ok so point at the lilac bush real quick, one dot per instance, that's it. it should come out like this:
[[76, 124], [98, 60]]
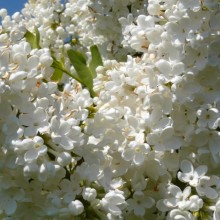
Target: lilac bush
[[110, 110]]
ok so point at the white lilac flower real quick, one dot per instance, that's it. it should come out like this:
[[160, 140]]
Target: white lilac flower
[[139, 203], [112, 202], [89, 172], [70, 188], [89, 194], [118, 165], [135, 152], [171, 161], [17, 80], [210, 138], [64, 159], [34, 122], [49, 170], [195, 203], [76, 207], [138, 181], [46, 60], [208, 117], [176, 199], [35, 149], [207, 187], [161, 98], [30, 169], [62, 131], [179, 214], [154, 7], [164, 140], [30, 149], [191, 175], [21, 48]]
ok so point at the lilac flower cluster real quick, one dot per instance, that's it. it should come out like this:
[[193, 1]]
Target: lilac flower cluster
[[139, 138]]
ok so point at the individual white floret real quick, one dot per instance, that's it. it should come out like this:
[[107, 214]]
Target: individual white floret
[[208, 117], [170, 69], [65, 134], [179, 214], [138, 180], [3, 12], [191, 175], [138, 40], [154, 7], [119, 166], [64, 159], [49, 170], [176, 199], [171, 161], [34, 122], [113, 202], [164, 140], [30, 169], [17, 80], [88, 172], [207, 187], [139, 203], [21, 48], [35, 149], [211, 139], [70, 188], [161, 99], [135, 152]]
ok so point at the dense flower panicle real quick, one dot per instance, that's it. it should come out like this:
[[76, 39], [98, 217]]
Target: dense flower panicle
[[110, 110]]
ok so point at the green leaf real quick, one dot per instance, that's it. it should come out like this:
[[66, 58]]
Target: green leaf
[[95, 61], [78, 60], [59, 68], [29, 38], [57, 75], [37, 37], [78, 56], [58, 65], [33, 40]]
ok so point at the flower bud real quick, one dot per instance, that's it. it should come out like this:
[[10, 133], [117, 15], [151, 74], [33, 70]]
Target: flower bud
[[46, 60], [76, 207]]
